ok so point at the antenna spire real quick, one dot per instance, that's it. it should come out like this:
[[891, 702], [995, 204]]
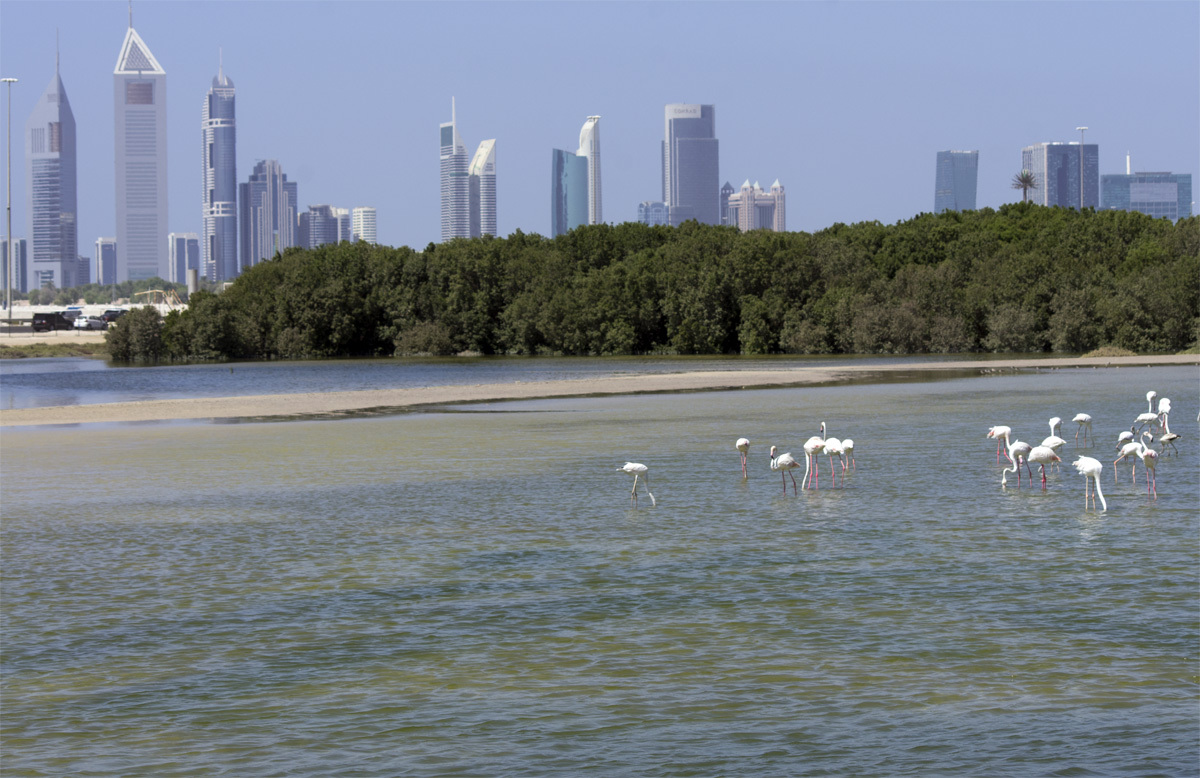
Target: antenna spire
[[56, 51], [452, 117], [131, 14], [220, 66]]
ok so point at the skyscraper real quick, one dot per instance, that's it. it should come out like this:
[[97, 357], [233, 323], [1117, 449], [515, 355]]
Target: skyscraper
[[319, 225], [957, 175], [1056, 169], [218, 130], [589, 149], [568, 191], [183, 255], [690, 164], [751, 208], [455, 186], [653, 212], [20, 264], [50, 184], [140, 108], [362, 225], [106, 261], [482, 190], [267, 207], [1161, 195]]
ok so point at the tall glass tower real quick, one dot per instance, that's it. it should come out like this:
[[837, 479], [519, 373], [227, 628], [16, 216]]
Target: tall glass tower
[[482, 187], [589, 149], [218, 129], [50, 183], [268, 213], [140, 108], [568, 191], [690, 154], [957, 177], [1056, 169], [456, 200]]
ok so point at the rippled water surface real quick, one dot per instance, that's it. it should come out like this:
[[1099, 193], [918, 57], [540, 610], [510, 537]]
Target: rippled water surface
[[472, 593]]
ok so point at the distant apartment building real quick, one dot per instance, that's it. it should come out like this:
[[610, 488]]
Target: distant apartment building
[[106, 261], [727, 191], [568, 191], [218, 134], [50, 183], [690, 164], [653, 212], [1066, 174], [956, 182], [1161, 195], [751, 208], [323, 224], [83, 270], [18, 276], [140, 110], [362, 225], [183, 255], [267, 206]]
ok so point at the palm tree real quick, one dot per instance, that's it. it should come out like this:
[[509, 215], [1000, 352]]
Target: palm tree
[[1024, 181]]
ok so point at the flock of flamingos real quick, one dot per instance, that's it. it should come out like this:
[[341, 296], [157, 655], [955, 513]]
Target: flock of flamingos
[[1134, 443]]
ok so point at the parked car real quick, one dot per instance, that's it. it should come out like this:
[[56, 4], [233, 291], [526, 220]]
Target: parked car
[[90, 323], [112, 314], [54, 320], [73, 313]]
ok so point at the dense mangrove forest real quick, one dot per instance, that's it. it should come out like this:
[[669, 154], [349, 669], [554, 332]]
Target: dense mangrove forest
[[1023, 278]]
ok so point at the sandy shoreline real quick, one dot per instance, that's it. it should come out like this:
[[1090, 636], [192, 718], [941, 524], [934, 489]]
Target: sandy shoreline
[[382, 400]]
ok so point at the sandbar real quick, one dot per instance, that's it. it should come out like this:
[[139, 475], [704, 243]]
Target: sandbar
[[382, 401]]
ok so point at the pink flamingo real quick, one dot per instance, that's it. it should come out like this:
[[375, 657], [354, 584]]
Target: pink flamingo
[[743, 446], [1042, 456], [999, 432], [785, 463], [812, 447]]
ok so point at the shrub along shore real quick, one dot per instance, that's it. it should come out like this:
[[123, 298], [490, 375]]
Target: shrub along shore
[[1024, 278]]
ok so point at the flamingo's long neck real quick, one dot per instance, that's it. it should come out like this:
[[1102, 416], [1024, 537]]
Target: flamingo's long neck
[[1100, 494]]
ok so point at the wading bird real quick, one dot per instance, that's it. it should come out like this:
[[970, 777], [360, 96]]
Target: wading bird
[[637, 470], [834, 446], [743, 445], [1055, 444], [785, 463], [812, 448], [1085, 425], [848, 450], [1130, 449], [1091, 469], [1042, 456], [1168, 439], [1018, 451], [1124, 438], [999, 432], [1149, 461]]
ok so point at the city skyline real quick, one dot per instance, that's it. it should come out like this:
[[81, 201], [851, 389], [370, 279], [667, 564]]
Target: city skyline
[[824, 138]]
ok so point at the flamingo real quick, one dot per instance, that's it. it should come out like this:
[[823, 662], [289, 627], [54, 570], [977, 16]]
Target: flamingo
[[834, 446], [999, 432], [1055, 425], [1055, 444], [1042, 456], [1149, 461], [1164, 410], [812, 447], [848, 450], [1124, 438], [1091, 469], [1150, 416], [1130, 449], [743, 445], [785, 463], [1168, 439], [637, 470], [1018, 450], [1085, 424]]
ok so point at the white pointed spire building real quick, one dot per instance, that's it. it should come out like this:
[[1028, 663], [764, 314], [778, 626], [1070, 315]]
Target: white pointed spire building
[[456, 217], [140, 111], [589, 149], [482, 189], [50, 184]]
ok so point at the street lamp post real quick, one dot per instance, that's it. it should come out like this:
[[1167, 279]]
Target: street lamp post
[[1081, 131], [8, 260]]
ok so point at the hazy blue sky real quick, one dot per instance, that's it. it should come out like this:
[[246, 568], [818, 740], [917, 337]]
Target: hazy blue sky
[[846, 103]]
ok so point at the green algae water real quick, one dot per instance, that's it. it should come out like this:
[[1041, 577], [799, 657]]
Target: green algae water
[[470, 591]]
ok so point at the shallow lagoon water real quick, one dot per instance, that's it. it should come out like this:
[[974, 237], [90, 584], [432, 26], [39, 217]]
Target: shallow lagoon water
[[473, 594]]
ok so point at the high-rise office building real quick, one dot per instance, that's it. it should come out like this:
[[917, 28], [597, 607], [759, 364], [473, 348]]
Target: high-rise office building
[[83, 271], [106, 261], [727, 191], [20, 264], [751, 208], [690, 164], [589, 149], [183, 255], [481, 187], [50, 184], [1161, 195], [267, 213], [568, 191], [140, 108], [345, 227], [653, 212], [362, 226], [957, 177], [1056, 170], [218, 135], [455, 186], [319, 225]]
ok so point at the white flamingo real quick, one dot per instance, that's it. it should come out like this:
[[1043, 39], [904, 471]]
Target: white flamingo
[[1168, 439], [1018, 451], [1055, 425], [1091, 469], [812, 448], [743, 445], [637, 470], [1055, 444], [833, 446], [848, 450], [1085, 425], [1042, 456], [1164, 411], [1124, 438], [1150, 416], [1130, 449], [999, 432], [1149, 461], [785, 464]]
